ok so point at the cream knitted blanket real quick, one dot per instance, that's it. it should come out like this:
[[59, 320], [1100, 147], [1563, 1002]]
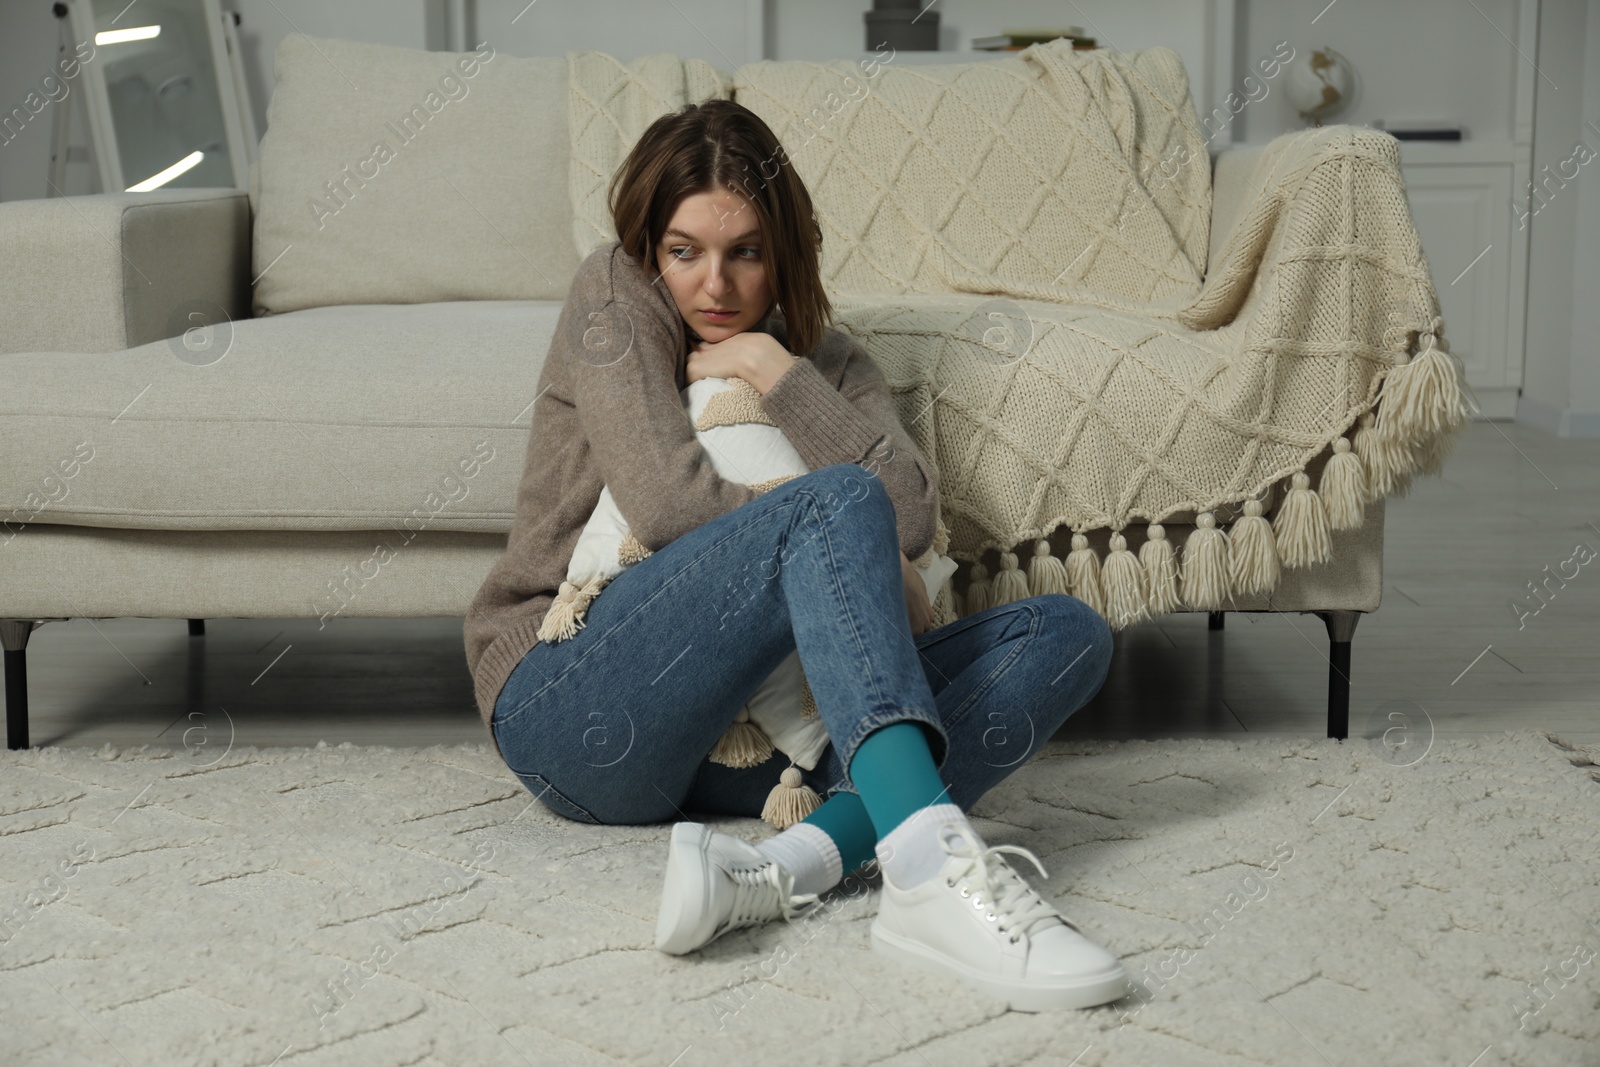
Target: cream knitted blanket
[[1020, 244], [609, 105]]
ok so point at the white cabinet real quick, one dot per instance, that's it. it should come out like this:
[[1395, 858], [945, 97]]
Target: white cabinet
[[1476, 69], [1462, 200]]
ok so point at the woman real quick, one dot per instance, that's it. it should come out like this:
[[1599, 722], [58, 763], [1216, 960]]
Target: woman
[[715, 274]]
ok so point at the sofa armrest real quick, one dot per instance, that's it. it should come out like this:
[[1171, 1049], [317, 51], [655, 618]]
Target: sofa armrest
[[112, 271], [1271, 203], [1230, 189]]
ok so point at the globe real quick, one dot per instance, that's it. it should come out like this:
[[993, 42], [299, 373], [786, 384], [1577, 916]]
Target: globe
[[1318, 85]]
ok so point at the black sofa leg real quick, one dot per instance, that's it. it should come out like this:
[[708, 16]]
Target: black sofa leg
[[14, 637], [1214, 620], [197, 627], [1341, 628]]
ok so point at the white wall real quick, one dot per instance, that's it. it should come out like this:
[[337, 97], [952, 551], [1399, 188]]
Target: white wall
[[1561, 371], [823, 29], [717, 31], [1547, 368], [1583, 412], [1427, 59], [27, 54]]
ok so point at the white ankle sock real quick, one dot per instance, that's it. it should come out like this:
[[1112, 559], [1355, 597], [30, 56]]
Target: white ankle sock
[[807, 852], [910, 853]]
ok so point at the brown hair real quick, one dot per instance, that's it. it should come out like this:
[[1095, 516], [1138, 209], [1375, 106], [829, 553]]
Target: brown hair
[[715, 145]]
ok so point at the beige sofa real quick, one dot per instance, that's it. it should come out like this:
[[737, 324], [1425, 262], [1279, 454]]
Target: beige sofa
[[188, 434]]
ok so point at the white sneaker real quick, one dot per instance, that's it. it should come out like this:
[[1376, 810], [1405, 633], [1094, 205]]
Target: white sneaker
[[978, 921], [716, 883]]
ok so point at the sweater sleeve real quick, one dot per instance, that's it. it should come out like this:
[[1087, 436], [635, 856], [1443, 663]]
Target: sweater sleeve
[[857, 423], [637, 430]]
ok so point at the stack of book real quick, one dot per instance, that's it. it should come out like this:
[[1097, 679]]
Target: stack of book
[[1016, 40]]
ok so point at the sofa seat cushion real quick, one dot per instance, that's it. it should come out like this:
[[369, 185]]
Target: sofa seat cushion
[[361, 417]]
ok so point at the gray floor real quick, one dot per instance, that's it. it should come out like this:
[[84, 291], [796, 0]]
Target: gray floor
[[1445, 653]]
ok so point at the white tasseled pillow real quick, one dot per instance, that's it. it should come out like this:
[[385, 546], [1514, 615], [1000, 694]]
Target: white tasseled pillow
[[744, 447]]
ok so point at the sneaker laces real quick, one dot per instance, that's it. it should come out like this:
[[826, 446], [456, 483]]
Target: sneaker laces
[[763, 893], [1014, 905]]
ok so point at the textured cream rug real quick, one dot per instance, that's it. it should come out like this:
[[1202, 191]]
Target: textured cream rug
[[1280, 901]]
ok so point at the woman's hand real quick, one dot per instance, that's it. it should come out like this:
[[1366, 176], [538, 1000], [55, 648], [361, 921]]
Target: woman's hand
[[918, 611], [758, 358]]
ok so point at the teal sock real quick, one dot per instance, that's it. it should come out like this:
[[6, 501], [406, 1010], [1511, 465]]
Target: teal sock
[[844, 818], [894, 772]]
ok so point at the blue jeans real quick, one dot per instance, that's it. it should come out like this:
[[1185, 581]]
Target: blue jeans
[[614, 724]]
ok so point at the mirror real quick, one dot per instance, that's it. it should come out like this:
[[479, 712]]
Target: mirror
[[163, 94]]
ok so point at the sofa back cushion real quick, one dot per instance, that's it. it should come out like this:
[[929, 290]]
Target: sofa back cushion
[[1031, 175], [397, 176]]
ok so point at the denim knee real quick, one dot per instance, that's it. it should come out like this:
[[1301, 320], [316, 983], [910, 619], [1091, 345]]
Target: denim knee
[[847, 481], [1072, 623]]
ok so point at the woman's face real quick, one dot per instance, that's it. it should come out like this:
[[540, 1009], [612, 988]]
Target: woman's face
[[711, 258]]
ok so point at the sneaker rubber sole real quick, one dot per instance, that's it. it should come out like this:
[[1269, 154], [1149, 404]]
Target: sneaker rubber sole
[[677, 920], [1033, 995]]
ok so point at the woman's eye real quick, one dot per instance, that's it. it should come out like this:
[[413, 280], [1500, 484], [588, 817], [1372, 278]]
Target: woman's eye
[[746, 248]]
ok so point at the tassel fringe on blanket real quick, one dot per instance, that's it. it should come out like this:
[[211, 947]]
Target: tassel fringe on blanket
[[1410, 431]]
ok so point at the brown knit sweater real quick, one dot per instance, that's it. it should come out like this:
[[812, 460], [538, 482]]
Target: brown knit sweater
[[609, 413]]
